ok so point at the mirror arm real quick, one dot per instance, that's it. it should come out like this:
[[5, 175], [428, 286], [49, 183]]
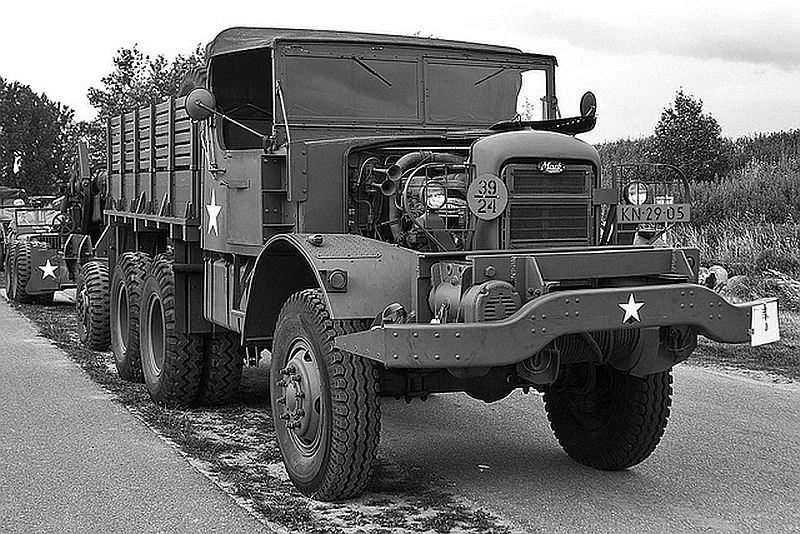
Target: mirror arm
[[266, 140]]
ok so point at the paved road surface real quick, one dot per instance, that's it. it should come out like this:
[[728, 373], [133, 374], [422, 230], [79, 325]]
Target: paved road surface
[[71, 460], [729, 461]]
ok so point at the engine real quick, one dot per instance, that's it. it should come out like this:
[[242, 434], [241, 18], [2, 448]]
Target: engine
[[413, 198]]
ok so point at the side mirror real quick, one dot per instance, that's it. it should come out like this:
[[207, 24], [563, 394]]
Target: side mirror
[[200, 104], [588, 104]]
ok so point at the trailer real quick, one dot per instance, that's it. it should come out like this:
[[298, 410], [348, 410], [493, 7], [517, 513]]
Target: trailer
[[373, 211]]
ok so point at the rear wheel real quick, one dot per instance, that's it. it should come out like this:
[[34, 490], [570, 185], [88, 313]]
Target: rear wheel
[[126, 292], [607, 419], [92, 305], [222, 370], [172, 362], [324, 401]]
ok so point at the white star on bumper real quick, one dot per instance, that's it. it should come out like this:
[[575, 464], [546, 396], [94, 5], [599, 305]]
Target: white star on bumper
[[48, 269], [631, 309], [213, 210]]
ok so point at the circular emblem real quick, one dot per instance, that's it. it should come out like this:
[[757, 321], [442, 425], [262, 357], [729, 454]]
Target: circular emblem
[[487, 197]]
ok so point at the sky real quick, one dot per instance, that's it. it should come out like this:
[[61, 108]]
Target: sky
[[742, 59]]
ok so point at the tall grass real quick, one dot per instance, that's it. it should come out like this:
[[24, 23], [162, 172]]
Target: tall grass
[[744, 247], [756, 192]]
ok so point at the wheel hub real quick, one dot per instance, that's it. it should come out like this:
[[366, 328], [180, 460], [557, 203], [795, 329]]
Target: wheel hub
[[82, 301], [300, 394]]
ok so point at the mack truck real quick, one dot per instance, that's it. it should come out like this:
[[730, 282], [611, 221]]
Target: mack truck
[[374, 213]]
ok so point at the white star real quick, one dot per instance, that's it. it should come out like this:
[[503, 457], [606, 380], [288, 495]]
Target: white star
[[48, 269], [213, 210], [631, 309]]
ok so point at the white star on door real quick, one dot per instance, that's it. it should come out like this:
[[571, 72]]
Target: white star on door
[[631, 309], [213, 210], [48, 269]]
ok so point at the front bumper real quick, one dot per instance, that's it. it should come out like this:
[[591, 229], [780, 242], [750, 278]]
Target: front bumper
[[543, 319]]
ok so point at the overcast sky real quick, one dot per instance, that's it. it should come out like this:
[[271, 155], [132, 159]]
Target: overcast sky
[[741, 58]]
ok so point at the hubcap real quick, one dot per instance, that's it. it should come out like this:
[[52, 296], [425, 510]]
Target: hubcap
[[300, 401], [82, 301], [156, 342], [122, 326]]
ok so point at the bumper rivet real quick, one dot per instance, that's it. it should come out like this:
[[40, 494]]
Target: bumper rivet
[[436, 335], [395, 356], [458, 356], [544, 330], [396, 335], [435, 356], [416, 356], [458, 335], [577, 313], [415, 334]]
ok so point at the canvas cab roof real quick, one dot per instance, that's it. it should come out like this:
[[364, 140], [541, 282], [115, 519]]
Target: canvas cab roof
[[244, 38]]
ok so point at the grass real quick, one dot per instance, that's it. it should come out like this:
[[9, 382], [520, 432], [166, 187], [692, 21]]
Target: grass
[[780, 359]]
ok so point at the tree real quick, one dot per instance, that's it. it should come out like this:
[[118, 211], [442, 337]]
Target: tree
[[137, 80], [690, 139], [35, 135]]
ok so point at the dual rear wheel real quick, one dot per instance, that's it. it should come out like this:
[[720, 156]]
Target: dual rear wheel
[[181, 369]]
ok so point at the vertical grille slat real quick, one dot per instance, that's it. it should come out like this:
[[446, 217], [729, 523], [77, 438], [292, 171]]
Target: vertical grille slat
[[548, 209]]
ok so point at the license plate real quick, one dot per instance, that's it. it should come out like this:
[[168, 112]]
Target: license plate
[[764, 323], [653, 213]]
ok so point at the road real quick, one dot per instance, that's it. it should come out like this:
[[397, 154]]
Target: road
[[729, 461], [72, 460]]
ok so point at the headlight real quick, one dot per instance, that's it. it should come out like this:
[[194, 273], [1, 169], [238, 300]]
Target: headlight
[[434, 195], [636, 193]]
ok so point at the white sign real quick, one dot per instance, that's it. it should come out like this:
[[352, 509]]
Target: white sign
[[764, 323]]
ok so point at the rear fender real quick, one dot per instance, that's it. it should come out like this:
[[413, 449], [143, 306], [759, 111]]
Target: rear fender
[[358, 277]]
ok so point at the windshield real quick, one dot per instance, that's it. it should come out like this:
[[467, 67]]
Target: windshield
[[32, 217], [408, 88]]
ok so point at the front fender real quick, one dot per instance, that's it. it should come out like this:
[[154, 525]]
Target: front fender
[[357, 276]]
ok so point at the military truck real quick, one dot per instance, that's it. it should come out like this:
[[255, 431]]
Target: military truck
[[51, 245], [374, 211]]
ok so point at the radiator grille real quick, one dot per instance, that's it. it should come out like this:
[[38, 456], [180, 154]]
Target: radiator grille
[[52, 241], [548, 208], [538, 221], [529, 180]]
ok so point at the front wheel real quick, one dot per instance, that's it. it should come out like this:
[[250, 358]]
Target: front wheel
[[324, 402], [608, 419]]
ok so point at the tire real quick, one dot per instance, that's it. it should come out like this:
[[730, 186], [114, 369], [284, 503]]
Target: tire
[[92, 303], [172, 362], [127, 282], [222, 370], [8, 276], [324, 402], [613, 423], [22, 272]]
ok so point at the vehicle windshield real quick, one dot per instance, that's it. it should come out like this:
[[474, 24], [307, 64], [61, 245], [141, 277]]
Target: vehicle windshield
[[408, 89], [34, 217]]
